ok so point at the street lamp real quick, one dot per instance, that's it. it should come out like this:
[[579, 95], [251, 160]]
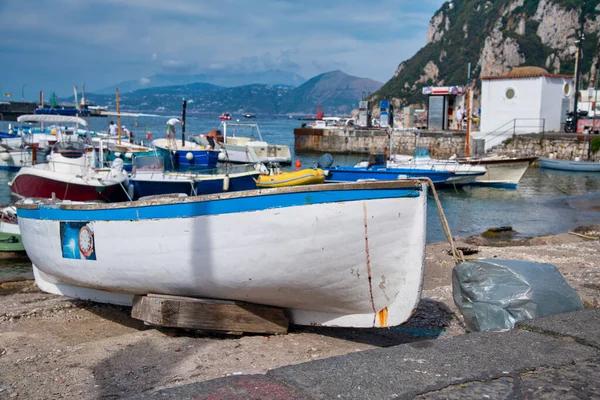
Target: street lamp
[[23, 92]]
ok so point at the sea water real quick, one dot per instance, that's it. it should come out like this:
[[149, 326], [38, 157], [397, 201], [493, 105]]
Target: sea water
[[545, 201]]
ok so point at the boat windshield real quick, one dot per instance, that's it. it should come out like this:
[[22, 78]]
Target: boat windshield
[[147, 163]]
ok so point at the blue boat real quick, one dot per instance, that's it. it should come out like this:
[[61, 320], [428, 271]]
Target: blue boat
[[568, 165], [376, 169], [182, 157], [149, 178]]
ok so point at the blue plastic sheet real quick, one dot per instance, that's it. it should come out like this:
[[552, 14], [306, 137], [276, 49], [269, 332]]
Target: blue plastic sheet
[[494, 294]]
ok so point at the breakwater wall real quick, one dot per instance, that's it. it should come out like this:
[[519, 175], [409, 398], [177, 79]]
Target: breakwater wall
[[562, 147], [368, 141], [441, 144]]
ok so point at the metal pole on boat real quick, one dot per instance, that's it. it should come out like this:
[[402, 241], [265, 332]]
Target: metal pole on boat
[[183, 125], [118, 117], [468, 114]]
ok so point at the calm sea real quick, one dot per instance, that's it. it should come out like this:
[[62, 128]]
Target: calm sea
[[545, 201]]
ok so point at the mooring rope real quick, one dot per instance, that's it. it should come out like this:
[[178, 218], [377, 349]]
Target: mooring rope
[[456, 254]]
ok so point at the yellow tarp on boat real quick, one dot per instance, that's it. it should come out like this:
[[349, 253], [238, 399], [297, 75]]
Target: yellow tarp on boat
[[297, 178]]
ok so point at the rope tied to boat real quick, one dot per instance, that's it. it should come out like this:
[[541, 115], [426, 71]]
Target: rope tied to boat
[[456, 254]]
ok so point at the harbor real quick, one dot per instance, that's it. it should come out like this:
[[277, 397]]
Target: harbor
[[197, 215]]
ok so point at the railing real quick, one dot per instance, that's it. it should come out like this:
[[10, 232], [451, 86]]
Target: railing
[[513, 125]]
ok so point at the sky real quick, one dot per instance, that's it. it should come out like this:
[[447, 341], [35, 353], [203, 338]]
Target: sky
[[54, 45]]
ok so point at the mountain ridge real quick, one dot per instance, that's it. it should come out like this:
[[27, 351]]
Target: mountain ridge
[[336, 91]]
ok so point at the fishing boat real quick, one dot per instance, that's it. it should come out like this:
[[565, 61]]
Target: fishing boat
[[225, 117], [180, 154], [149, 178], [276, 178], [247, 149], [569, 165], [71, 173], [376, 168], [502, 171], [249, 116], [348, 255], [11, 244]]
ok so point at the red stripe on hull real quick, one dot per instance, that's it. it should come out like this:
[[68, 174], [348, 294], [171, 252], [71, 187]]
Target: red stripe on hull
[[36, 186]]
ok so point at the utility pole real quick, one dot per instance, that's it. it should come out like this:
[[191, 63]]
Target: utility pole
[[578, 68]]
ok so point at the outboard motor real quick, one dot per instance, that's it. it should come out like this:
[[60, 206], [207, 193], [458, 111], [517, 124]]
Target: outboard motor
[[325, 161]]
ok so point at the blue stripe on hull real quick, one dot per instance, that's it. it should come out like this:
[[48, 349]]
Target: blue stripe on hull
[[214, 207], [351, 174]]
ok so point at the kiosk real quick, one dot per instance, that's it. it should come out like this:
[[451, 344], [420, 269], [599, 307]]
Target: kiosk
[[441, 104]]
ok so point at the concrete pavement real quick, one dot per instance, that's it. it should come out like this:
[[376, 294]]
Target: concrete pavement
[[554, 357]]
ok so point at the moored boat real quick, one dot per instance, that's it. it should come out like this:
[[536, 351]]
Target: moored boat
[[502, 171], [71, 173], [569, 165], [336, 255], [149, 178], [225, 117], [11, 244], [376, 169], [292, 178], [249, 148]]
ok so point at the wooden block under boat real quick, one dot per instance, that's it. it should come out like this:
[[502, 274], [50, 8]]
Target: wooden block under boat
[[208, 314]]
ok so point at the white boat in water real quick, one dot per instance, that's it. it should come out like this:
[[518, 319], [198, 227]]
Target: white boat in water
[[250, 149], [348, 254]]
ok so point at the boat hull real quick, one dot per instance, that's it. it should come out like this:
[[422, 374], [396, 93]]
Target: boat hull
[[297, 178], [503, 173], [354, 174], [10, 243], [159, 183], [27, 184], [567, 165], [353, 254], [190, 156]]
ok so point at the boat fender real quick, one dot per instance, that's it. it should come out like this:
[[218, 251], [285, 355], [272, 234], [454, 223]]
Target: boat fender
[[117, 154], [4, 156], [189, 156], [226, 183], [130, 190], [128, 155], [222, 156]]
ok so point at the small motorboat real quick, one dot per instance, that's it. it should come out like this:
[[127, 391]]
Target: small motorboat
[[11, 244], [225, 117], [149, 178], [276, 178], [71, 173], [249, 116]]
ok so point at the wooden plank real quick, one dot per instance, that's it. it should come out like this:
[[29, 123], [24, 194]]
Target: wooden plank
[[208, 314]]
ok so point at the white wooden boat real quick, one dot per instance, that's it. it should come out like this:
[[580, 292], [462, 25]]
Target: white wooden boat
[[568, 165], [502, 171], [347, 254]]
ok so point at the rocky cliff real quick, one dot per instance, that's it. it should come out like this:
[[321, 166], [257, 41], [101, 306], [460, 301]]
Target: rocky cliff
[[496, 36]]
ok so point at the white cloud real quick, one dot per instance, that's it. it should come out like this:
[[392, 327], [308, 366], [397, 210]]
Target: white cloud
[[144, 81], [154, 55]]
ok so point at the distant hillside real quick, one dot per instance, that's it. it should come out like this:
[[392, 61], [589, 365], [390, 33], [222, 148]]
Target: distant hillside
[[337, 92], [496, 36], [271, 77]]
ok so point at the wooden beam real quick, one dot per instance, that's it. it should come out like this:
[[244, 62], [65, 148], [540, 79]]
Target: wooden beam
[[208, 314]]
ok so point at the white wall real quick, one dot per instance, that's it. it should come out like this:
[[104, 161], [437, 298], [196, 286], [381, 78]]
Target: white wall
[[498, 111], [553, 92]]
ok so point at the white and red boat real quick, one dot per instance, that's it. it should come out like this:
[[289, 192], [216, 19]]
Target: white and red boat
[[72, 174], [225, 117]]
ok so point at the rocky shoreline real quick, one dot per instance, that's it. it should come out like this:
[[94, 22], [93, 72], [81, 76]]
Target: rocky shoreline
[[54, 347]]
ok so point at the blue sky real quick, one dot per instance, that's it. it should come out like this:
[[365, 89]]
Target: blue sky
[[56, 44]]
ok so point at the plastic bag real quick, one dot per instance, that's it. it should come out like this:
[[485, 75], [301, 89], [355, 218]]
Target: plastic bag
[[495, 294]]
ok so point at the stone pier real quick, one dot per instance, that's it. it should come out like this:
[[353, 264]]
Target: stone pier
[[441, 144]]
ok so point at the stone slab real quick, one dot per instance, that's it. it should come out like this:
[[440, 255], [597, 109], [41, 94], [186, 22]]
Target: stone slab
[[246, 387], [581, 326], [413, 369]]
